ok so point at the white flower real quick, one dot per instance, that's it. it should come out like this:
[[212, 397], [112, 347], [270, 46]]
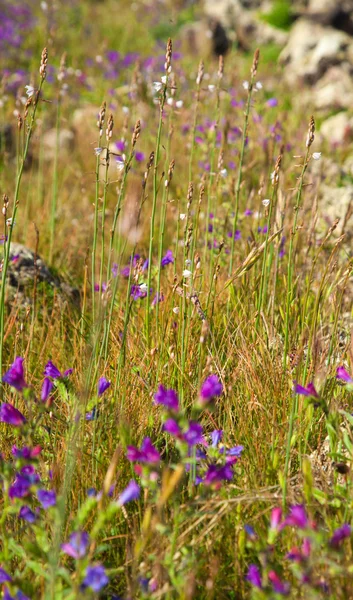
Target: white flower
[[258, 85], [164, 79], [187, 273], [126, 110], [98, 151], [245, 85], [120, 163], [188, 262], [9, 222], [170, 101], [223, 173], [157, 86], [179, 103], [29, 90], [143, 287], [316, 155], [266, 202], [44, 6], [176, 310], [182, 216], [99, 59], [211, 87]]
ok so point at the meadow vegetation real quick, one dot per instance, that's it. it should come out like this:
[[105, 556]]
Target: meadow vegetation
[[185, 430]]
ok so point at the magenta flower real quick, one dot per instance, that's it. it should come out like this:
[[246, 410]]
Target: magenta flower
[[27, 514], [9, 414], [339, 535], [210, 388], [77, 546], [147, 454], [280, 587], [276, 518], [254, 576], [131, 492], [4, 576], [15, 375], [26, 452], [46, 389], [95, 578], [168, 398], [172, 427], [103, 385], [218, 473], [52, 371], [343, 375], [47, 498], [297, 517], [309, 390], [167, 259], [194, 435]]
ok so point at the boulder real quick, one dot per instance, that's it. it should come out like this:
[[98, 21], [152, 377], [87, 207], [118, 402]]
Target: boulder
[[337, 129], [335, 89]]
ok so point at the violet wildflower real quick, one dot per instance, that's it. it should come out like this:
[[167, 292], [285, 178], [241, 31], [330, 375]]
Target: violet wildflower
[[343, 375], [210, 388], [309, 390], [254, 576], [26, 452], [19, 595], [92, 414], [52, 371], [339, 535], [194, 435], [147, 454], [115, 269], [131, 492], [15, 375], [297, 517], [46, 389], [216, 437], [139, 156], [95, 578], [157, 298], [20, 487], [234, 452], [218, 473], [172, 427], [248, 212], [168, 398], [272, 102], [10, 415], [47, 498], [27, 514], [279, 587], [77, 546], [4, 576], [103, 385], [276, 518], [167, 259], [138, 291]]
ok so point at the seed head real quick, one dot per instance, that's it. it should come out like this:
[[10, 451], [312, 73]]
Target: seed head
[[109, 130], [168, 57], [101, 119], [220, 67], [136, 133], [311, 130], [43, 64], [255, 63], [200, 73]]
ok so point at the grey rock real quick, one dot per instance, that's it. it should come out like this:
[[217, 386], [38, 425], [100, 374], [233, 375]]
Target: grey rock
[[25, 269], [65, 143], [337, 129]]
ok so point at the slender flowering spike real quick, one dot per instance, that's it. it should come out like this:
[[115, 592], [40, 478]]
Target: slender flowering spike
[[9, 414], [15, 375], [254, 576], [194, 435], [339, 535], [168, 398], [167, 259], [103, 385], [276, 518], [305, 391], [46, 389], [4, 576], [77, 546], [27, 514], [343, 375], [216, 437], [311, 131], [131, 492], [47, 498], [210, 388], [95, 578]]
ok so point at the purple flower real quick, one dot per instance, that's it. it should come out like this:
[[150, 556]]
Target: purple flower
[[236, 451], [272, 102], [339, 535], [216, 437], [15, 375], [276, 518], [139, 156], [279, 586], [19, 595], [26, 452], [46, 389], [147, 454], [172, 427], [210, 388], [27, 514], [103, 385], [168, 398], [157, 298], [4, 576], [138, 291], [193, 435], [254, 576], [9, 414], [115, 270], [343, 375], [309, 390], [47, 498], [20, 487], [218, 473], [92, 414], [96, 578], [297, 517], [52, 371], [167, 259], [131, 492], [77, 546]]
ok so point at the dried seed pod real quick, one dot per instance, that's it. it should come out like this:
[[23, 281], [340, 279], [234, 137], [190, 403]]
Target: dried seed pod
[[255, 63], [310, 137], [43, 64]]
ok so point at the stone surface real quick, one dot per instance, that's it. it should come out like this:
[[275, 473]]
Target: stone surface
[[335, 89], [24, 268], [337, 129], [65, 143]]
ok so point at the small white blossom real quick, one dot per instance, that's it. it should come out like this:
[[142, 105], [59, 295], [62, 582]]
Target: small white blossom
[[44, 6], [245, 85], [98, 151], [176, 310], [188, 262], [170, 101], [29, 90], [164, 79], [182, 216], [120, 163], [143, 287], [258, 85], [99, 59], [126, 110], [9, 222], [266, 202], [157, 86], [187, 273], [179, 103], [316, 155], [211, 87], [223, 173]]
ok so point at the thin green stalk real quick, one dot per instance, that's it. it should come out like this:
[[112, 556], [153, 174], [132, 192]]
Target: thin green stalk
[[54, 196]]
